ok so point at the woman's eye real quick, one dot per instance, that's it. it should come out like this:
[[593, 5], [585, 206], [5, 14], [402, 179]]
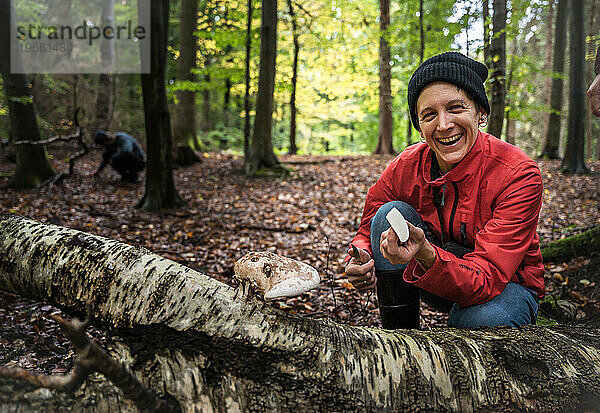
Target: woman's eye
[[455, 107], [427, 116]]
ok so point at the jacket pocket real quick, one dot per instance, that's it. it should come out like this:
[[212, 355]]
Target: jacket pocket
[[468, 228]]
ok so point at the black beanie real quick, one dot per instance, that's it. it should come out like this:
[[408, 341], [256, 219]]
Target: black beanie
[[451, 67], [100, 137]]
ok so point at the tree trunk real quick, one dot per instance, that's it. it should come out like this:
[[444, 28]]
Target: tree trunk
[[590, 75], [207, 123], [228, 84], [594, 28], [261, 153], [421, 33], [33, 166], [184, 113], [510, 123], [385, 138], [421, 58], [98, 395], [215, 348], [227, 100], [498, 63], [160, 188], [548, 62], [293, 148], [486, 36], [552, 135], [105, 80], [574, 162], [247, 82]]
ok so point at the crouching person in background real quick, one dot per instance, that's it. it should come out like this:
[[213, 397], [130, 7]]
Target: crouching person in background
[[123, 153]]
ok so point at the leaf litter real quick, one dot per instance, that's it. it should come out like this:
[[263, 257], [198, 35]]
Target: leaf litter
[[310, 216]]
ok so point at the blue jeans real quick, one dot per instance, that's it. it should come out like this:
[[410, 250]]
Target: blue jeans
[[515, 306]]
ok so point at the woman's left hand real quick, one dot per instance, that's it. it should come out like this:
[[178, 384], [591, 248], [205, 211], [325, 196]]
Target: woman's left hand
[[415, 247]]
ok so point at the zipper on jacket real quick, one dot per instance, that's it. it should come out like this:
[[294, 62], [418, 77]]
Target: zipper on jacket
[[443, 195], [439, 203], [453, 212]]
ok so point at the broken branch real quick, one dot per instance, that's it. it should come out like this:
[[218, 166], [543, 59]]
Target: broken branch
[[91, 358]]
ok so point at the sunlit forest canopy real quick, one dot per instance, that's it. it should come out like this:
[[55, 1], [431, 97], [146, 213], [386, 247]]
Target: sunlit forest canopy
[[337, 93]]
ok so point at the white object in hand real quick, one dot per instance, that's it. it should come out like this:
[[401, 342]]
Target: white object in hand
[[398, 223]]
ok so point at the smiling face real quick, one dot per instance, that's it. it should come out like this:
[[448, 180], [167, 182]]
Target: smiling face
[[448, 121]]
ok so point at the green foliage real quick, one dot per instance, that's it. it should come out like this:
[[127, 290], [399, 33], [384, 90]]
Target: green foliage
[[337, 95], [223, 138], [545, 322], [22, 100], [337, 89]]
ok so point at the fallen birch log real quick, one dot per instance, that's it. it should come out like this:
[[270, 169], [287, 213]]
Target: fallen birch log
[[209, 347]]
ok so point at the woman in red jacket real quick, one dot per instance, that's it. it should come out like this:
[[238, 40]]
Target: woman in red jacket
[[472, 203]]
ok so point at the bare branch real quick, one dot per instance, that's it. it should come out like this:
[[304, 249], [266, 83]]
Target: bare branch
[[67, 383], [303, 9], [52, 139], [92, 358], [76, 135]]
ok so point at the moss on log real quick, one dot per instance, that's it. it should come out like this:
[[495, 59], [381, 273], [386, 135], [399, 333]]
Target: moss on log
[[575, 246]]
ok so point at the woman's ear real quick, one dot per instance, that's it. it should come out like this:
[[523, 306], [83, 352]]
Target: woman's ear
[[483, 121]]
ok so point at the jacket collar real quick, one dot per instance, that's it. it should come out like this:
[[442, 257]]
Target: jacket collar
[[466, 169]]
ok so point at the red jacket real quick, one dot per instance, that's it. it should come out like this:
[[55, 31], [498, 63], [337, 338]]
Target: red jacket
[[492, 201]]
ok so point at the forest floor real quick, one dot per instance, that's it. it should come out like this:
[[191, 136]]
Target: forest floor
[[310, 215]]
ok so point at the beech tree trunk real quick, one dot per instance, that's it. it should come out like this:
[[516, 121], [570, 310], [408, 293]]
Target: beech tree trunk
[[421, 33], [160, 188], [212, 347], [247, 83], [261, 154], [384, 139], [293, 148], [105, 80], [574, 162], [548, 63], [184, 113], [33, 166], [485, 15], [589, 77], [498, 63], [552, 135], [510, 123]]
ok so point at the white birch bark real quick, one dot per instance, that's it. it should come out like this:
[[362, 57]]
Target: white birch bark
[[203, 343]]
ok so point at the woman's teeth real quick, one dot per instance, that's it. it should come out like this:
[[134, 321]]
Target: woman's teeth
[[450, 140]]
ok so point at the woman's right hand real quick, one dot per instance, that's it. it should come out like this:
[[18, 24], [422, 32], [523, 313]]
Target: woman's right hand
[[361, 272]]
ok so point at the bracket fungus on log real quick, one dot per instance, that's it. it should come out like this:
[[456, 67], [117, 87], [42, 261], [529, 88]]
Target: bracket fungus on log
[[274, 275]]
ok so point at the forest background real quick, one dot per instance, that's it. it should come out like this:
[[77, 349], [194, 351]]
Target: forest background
[[337, 92], [341, 75]]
